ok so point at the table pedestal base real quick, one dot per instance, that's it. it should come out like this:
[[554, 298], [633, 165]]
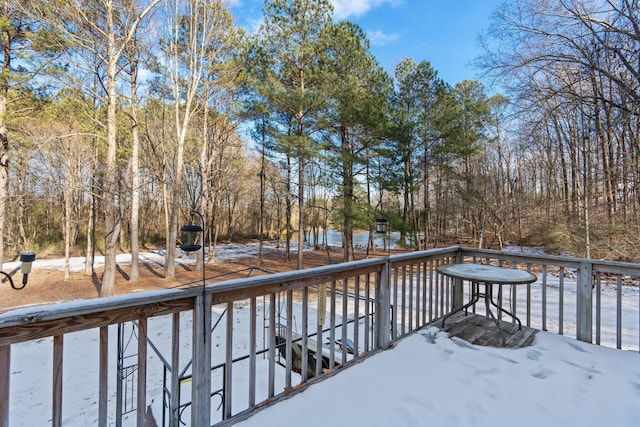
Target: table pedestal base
[[488, 301]]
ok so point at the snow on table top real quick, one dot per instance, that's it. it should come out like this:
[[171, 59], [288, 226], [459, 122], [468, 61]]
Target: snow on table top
[[486, 273]]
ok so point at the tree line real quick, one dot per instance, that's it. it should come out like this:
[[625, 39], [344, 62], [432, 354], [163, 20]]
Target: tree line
[[572, 70], [119, 118]]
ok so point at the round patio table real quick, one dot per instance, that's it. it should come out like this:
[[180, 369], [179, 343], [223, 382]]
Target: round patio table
[[487, 275]]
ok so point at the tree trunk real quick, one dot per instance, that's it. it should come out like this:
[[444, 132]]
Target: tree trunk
[[112, 208], [288, 212], [134, 273], [4, 135], [91, 229], [93, 194], [68, 191], [262, 183], [176, 194], [4, 163], [300, 264], [204, 179], [347, 194], [111, 204]]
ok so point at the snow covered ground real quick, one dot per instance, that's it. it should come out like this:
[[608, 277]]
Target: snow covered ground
[[224, 252]]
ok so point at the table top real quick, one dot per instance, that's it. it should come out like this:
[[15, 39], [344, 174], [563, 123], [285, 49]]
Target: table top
[[487, 273]]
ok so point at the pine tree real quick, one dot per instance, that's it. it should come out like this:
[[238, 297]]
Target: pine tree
[[294, 43]]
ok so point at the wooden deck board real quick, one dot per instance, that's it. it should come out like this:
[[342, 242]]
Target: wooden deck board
[[482, 330]]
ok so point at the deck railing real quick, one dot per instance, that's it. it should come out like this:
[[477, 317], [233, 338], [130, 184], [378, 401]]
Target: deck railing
[[214, 354]]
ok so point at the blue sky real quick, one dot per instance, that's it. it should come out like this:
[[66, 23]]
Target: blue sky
[[443, 32]]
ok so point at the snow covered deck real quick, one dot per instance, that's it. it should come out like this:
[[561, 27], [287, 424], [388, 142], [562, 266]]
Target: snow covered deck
[[432, 378]]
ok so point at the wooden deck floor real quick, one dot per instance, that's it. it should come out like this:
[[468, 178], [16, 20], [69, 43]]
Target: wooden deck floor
[[482, 330]]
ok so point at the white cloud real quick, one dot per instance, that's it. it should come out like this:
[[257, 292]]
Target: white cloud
[[380, 38], [345, 8]]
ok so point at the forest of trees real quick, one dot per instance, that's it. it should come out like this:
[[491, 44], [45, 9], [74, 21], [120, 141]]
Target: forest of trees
[[120, 117]]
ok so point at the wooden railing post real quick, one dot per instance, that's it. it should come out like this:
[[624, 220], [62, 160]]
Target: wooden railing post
[[457, 292], [141, 401], [383, 307], [201, 383], [584, 315], [56, 410]]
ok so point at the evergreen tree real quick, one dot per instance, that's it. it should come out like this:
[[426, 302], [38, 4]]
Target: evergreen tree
[[26, 50], [415, 103], [354, 118], [294, 43]]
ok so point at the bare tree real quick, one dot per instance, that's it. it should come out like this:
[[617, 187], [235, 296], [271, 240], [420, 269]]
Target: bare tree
[[193, 29], [104, 29], [132, 53], [572, 69]]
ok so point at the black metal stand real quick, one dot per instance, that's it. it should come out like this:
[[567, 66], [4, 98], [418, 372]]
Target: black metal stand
[[13, 285]]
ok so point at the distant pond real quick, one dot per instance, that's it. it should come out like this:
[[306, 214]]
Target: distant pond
[[360, 238]]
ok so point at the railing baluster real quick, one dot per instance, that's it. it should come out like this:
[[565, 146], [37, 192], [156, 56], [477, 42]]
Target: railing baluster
[[58, 347], [529, 299], [345, 318], [422, 284], [431, 286], [561, 303], [403, 318], [228, 364], [598, 306], [439, 301], [418, 285], [410, 285], [514, 300], [332, 327], [436, 290], [367, 313], [103, 389], [141, 400], [5, 376], [272, 345], [420, 298], [544, 298], [305, 332], [289, 338], [618, 311], [322, 306], [252, 350], [500, 298], [446, 292], [394, 303], [356, 317], [174, 401]]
